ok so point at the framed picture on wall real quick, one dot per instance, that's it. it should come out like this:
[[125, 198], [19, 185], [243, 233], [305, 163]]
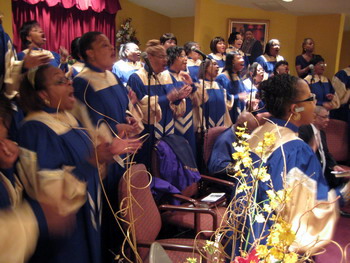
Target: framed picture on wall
[[258, 28]]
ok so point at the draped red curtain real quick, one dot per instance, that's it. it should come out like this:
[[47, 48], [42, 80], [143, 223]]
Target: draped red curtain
[[62, 25]]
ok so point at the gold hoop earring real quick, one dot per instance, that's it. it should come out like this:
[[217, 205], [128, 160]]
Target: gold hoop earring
[[296, 116]]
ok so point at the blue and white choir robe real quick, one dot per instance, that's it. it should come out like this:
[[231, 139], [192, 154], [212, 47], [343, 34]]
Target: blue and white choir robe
[[10, 80], [217, 105], [193, 68], [233, 89], [124, 69], [185, 119], [321, 86], [312, 209], [55, 59], [54, 168], [268, 62], [102, 104], [19, 228], [220, 59], [221, 154], [161, 111]]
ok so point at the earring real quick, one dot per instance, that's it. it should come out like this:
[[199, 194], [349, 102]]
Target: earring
[[296, 116], [47, 102]]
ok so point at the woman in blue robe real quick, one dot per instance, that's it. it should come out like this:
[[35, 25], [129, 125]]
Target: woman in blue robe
[[58, 162], [164, 99], [129, 62], [233, 84], [184, 120], [218, 49], [104, 108], [217, 103], [292, 165], [271, 56], [33, 39], [193, 60], [321, 85]]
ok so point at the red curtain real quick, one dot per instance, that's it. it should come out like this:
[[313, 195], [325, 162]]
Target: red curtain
[[110, 6], [61, 25]]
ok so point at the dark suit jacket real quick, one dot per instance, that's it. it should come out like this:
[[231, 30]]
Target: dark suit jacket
[[306, 133]]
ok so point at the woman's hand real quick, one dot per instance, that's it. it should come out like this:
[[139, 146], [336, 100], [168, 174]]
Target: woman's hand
[[121, 146], [8, 153], [132, 97], [242, 96], [330, 96], [63, 54], [185, 77], [124, 129], [327, 105]]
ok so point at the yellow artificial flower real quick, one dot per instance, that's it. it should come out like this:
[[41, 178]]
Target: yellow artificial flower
[[191, 260], [262, 251], [209, 247], [290, 258], [276, 253], [269, 139]]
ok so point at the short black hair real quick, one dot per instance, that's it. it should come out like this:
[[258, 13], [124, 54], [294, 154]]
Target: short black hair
[[278, 92], [167, 36], [269, 45], [74, 47], [85, 43], [214, 42], [316, 59], [24, 31], [233, 37], [279, 63], [173, 53]]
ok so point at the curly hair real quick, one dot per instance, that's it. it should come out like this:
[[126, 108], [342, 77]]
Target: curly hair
[[173, 53], [278, 92], [167, 36]]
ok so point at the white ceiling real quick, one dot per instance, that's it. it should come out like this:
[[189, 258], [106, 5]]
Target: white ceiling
[[185, 8]]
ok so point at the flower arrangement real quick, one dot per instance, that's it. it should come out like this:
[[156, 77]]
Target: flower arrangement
[[126, 33], [238, 240]]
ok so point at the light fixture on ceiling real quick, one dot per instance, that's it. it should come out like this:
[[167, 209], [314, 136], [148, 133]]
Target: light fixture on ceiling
[[287, 0]]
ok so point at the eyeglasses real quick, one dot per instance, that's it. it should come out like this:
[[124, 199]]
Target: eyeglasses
[[323, 117], [323, 64], [62, 81], [311, 98]]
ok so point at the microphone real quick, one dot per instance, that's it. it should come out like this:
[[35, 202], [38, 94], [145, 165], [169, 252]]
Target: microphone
[[312, 71], [144, 56], [199, 52], [312, 67]]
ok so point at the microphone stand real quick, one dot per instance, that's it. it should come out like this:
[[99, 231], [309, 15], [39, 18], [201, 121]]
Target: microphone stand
[[150, 74]]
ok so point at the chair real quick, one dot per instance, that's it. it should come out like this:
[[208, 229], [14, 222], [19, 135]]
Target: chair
[[191, 196], [144, 217], [337, 133]]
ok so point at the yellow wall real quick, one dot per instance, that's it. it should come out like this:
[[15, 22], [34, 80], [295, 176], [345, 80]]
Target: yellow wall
[[327, 32], [6, 9], [183, 29], [148, 24], [345, 51], [212, 20]]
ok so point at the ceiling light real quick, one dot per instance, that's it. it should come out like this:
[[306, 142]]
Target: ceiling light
[[287, 0]]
